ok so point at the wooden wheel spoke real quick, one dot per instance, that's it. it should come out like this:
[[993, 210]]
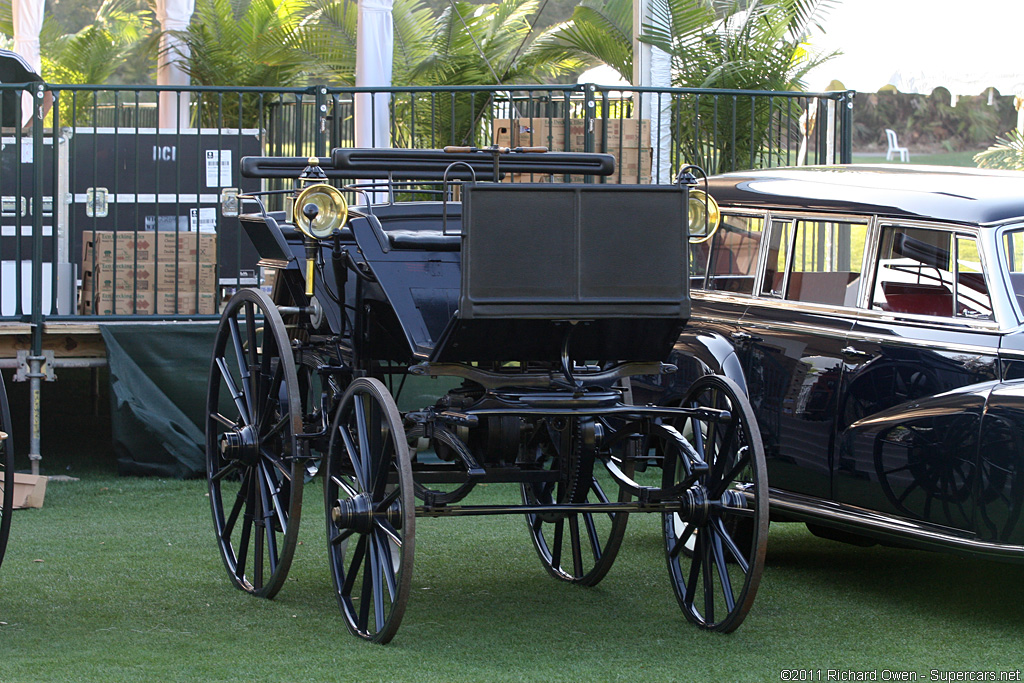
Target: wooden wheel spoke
[[576, 546], [387, 568], [240, 500], [718, 485], [344, 486], [341, 536], [707, 579], [680, 543], [228, 468], [723, 570], [243, 368], [595, 541], [386, 502], [270, 398], [353, 566], [730, 545], [272, 499], [238, 397], [247, 531], [390, 532], [365, 454], [695, 567], [556, 546], [354, 456], [223, 421]]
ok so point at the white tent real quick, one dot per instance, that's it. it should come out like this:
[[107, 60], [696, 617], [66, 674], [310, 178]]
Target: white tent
[[374, 44], [28, 21], [173, 15], [653, 68]]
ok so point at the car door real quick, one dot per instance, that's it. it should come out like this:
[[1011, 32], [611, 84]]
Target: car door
[[906, 446], [790, 343]]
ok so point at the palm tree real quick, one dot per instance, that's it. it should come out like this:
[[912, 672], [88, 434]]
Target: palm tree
[[473, 45], [254, 43], [720, 44], [1007, 153]]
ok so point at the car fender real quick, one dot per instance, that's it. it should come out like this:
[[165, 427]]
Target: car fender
[[700, 353]]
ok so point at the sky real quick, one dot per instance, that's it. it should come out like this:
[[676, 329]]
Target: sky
[[965, 45]]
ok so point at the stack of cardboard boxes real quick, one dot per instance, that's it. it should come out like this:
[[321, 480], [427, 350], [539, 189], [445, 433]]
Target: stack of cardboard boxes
[[628, 140], [147, 273]]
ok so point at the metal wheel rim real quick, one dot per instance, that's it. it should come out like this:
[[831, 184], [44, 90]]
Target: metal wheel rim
[[718, 554], [373, 602], [271, 487]]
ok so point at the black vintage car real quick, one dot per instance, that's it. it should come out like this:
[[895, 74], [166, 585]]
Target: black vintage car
[[873, 314]]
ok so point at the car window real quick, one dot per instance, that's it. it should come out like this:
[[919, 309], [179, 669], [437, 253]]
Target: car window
[[1013, 262], [930, 272], [815, 261], [730, 257]]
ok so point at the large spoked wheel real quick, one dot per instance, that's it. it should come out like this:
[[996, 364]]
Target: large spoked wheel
[[253, 465], [716, 546], [6, 471], [369, 500], [578, 547]]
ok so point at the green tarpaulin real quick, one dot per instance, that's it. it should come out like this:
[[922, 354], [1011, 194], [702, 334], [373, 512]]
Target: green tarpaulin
[[158, 377]]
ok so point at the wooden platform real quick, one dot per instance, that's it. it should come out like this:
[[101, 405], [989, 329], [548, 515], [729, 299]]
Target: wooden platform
[[64, 339]]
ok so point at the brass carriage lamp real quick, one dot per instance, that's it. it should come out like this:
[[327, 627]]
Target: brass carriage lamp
[[704, 216], [319, 210]]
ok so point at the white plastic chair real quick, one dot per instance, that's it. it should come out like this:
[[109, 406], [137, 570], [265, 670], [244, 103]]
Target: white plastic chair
[[894, 147]]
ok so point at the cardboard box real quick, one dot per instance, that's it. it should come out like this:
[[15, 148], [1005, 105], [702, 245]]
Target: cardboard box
[[184, 246], [613, 134], [124, 245], [184, 303], [29, 490], [186, 275], [609, 135], [117, 303], [120, 276]]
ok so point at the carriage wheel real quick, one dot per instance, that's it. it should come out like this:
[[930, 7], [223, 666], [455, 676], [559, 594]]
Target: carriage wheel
[[253, 466], [371, 523], [716, 550], [6, 471], [576, 547]]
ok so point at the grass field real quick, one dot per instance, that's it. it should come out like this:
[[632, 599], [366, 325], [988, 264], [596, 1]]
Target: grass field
[[118, 579], [938, 159]]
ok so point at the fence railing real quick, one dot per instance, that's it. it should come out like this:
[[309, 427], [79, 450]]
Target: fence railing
[[107, 212]]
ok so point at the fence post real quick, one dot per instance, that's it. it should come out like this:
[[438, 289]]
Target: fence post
[[35, 359], [846, 117]]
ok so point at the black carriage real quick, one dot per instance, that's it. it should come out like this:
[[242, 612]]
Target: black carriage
[[535, 304]]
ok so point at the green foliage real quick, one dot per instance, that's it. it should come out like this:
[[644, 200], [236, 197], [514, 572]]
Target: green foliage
[[1007, 153], [472, 45], [735, 45], [929, 120], [600, 31]]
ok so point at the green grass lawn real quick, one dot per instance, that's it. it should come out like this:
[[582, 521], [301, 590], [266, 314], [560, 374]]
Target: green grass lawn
[[940, 159], [118, 579]]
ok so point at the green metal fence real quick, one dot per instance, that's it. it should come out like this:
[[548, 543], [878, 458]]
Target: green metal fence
[[96, 193]]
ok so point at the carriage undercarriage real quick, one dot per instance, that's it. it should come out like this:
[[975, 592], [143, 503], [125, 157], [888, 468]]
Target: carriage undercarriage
[[537, 394]]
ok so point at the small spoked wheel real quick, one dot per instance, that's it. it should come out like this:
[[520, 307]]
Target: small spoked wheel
[[370, 508], [715, 545], [6, 471], [254, 470], [578, 547]]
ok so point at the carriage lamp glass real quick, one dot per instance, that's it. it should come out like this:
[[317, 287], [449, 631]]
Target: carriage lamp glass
[[704, 216], [331, 210]]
